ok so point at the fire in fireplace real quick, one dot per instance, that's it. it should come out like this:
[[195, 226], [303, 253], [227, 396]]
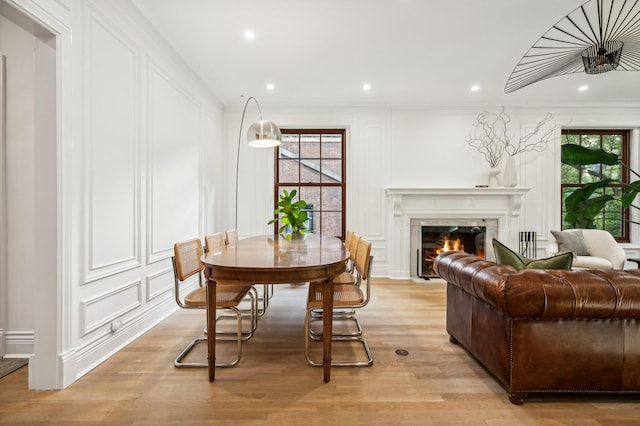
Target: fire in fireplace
[[438, 239]]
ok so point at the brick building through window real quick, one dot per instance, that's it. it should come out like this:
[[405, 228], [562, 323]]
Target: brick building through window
[[312, 161]]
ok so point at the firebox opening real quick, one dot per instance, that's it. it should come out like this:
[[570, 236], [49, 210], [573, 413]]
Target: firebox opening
[[437, 239]]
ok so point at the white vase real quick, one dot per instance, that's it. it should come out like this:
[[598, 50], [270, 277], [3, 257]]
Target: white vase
[[494, 177], [510, 176]]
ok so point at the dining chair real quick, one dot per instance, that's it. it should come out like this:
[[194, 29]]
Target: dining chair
[[346, 277], [231, 237], [353, 249], [350, 295], [215, 243], [267, 289], [347, 238], [186, 264]]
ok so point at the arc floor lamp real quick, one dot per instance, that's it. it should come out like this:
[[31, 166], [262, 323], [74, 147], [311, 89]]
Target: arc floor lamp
[[261, 134]]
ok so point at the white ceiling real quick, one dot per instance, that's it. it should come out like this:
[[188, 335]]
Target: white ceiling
[[412, 52]]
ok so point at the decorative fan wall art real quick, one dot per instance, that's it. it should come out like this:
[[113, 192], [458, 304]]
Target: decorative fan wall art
[[597, 37]]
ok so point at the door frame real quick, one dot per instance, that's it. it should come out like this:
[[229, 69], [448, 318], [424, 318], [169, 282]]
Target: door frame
[[3, 207]]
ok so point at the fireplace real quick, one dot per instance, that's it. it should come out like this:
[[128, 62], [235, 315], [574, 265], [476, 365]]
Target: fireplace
[[437, 239], [432, 236], [496, 209]]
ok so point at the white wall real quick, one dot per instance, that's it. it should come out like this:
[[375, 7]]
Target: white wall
[[418, 147], [368, 168], [133, 166]]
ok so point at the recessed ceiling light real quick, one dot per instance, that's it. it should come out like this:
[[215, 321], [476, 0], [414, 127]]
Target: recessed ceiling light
[[475, 88], [249, 35], [366, 86], [270, 87], [583, 88]]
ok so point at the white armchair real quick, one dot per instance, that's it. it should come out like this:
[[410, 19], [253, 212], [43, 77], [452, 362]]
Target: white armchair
[[604, 251]]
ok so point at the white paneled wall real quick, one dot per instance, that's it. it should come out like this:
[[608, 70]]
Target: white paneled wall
[[368, 168], [174, 161], [420, 148], [139, 148], [145, 141], [112, 166]]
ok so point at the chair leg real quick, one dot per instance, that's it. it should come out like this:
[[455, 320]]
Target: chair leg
[[239, 338], [334, 338], [346, 315], [267, 294], [252, 312], [253, 294], [244, 335], [178, 361]]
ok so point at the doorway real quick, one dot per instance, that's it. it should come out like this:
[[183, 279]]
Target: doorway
[[28, 176]]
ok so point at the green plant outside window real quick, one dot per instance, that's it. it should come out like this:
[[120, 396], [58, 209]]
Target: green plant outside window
[[611, 216]]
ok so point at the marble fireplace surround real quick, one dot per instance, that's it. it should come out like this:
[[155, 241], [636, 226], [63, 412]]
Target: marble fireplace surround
[[407, 205]]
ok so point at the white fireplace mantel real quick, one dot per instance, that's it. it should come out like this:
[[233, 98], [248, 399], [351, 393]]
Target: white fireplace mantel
[[407, 204], [514, 195]]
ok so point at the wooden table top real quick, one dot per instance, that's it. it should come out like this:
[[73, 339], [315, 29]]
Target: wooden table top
[[257, 259]]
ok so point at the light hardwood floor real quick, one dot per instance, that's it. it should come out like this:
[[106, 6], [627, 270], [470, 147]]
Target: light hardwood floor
[[437, 383]]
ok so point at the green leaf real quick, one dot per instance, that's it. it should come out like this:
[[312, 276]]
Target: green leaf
[[582, 208], [629, 194], [588, 208], [289, 213], [576, 155], [584, 193]]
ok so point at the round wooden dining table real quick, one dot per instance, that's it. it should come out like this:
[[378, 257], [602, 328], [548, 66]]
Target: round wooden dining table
[[274, 259]]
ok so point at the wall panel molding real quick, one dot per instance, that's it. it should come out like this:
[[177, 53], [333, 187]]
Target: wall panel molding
[[373, 200], [54, 15], [174, 164], [100, 310], [112, 189], [159, 283]]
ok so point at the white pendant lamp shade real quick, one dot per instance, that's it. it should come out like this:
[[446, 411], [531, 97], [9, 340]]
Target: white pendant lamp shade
[[264, 134]]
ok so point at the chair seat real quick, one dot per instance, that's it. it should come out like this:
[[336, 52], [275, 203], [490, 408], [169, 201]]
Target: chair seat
[[345, 278], [226, 296], [343, 295]]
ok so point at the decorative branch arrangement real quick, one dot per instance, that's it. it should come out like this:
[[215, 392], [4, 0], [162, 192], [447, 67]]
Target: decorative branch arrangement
[[545, 131], [489, 136]]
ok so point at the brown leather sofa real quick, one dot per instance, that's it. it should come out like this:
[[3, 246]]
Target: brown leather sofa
[[545, 330]]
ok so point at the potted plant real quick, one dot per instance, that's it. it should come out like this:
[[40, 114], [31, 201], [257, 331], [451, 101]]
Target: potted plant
[[290, 214]]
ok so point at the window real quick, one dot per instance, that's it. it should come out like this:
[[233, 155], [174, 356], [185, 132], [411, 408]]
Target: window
[[612, 217], [313, 163]]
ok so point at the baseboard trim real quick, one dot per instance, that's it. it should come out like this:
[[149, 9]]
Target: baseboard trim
[[93, 354]]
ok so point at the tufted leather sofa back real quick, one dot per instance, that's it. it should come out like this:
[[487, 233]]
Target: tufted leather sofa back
[[586, 293]]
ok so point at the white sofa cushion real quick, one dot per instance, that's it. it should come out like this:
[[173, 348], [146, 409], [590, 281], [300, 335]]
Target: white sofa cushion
[[591, 262], [571, 241]]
